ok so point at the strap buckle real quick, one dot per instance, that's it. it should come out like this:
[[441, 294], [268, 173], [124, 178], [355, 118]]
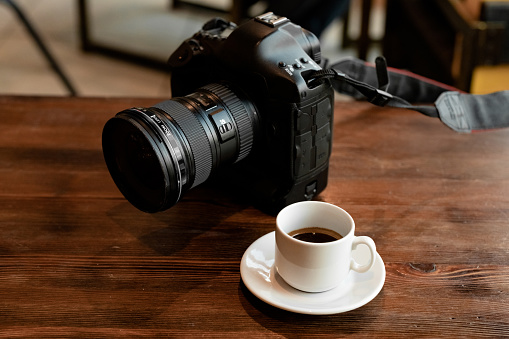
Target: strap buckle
[[380, 98]]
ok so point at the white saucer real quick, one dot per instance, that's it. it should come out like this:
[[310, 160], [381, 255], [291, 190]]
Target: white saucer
[[260, 277]]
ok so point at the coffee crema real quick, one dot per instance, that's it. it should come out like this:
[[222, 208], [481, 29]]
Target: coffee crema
[[315, 235]]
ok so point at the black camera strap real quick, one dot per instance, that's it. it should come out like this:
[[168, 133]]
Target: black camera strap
[[460, 111]]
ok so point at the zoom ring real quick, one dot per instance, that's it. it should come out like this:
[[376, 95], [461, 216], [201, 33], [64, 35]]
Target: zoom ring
[[240, 115]]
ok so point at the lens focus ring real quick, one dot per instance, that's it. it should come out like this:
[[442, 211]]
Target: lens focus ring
[[240, 115], [196, 136]]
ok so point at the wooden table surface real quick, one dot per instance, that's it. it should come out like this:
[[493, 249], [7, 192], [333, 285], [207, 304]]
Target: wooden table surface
[[76, 259]]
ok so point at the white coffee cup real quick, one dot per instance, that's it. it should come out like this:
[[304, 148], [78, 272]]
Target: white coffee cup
[[317, 267]]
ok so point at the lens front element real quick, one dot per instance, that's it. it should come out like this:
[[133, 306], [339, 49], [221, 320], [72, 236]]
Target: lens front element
[[155, 154], [143, 168]]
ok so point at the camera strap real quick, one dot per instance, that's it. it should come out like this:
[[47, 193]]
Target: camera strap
[[460, 111]]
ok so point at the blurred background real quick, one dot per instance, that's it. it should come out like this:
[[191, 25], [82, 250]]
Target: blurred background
[[152, 29], [460, 42]]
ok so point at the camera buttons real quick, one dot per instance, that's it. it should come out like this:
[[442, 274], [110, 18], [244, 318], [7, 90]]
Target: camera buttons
[[310, 190], [223, 124]]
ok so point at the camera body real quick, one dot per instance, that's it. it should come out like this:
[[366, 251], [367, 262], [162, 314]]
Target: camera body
[[267, 58]]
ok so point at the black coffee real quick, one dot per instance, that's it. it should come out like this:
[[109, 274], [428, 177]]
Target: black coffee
[[315, 234]]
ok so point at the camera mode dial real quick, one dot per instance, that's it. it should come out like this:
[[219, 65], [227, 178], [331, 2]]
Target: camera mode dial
[[216, 29]]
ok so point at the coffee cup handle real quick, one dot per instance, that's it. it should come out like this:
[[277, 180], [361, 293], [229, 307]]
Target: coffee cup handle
[[372, 249]]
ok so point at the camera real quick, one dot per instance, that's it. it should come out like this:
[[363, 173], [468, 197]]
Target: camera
[[242, 110]]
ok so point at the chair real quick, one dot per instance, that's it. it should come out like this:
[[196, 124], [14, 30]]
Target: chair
[[364, 41], [441, 39], [40, 44]]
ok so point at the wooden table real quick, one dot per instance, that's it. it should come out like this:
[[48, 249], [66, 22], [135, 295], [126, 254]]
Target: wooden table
[[77, 259]]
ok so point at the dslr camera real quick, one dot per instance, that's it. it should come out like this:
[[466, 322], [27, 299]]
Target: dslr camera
[[242, 109]]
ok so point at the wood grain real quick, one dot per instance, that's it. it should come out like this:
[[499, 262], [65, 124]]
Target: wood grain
[[77, 260]]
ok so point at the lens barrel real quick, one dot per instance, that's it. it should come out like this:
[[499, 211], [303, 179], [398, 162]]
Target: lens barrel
[[156, 154]]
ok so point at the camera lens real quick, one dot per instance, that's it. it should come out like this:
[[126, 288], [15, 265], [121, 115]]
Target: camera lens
[[156, 154]]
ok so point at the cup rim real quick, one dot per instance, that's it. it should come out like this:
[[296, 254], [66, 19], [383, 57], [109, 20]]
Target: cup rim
[[344, 237]]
